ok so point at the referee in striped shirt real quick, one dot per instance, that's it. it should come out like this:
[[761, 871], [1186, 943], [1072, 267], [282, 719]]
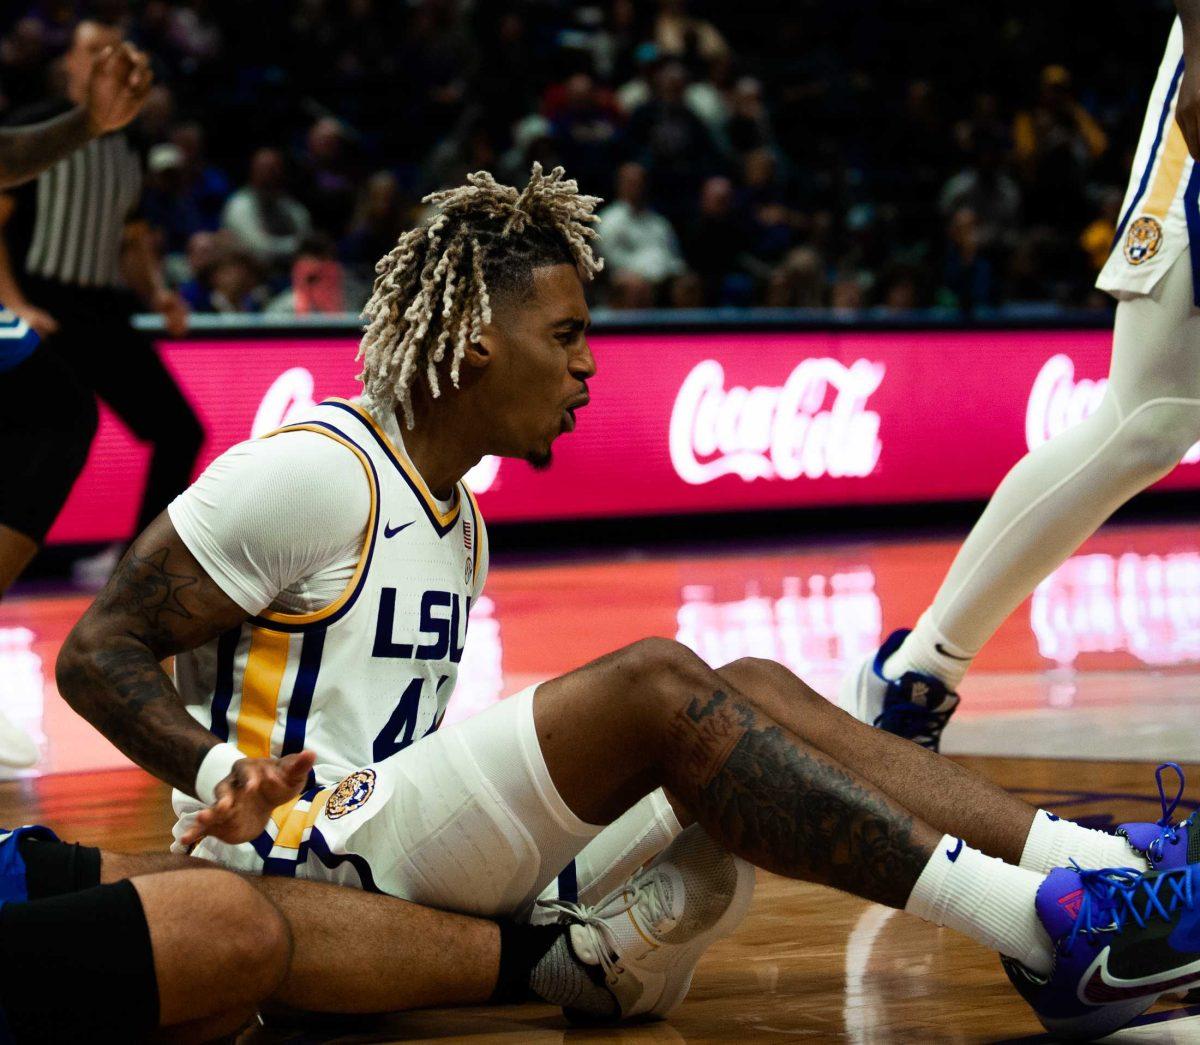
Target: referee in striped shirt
[[72, 246]]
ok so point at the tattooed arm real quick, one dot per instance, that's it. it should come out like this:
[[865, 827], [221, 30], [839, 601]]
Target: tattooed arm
[[158, 603]]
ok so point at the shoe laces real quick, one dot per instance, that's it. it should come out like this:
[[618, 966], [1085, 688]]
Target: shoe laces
[[1170, 832], [913, 721], [648, 892], [1115, 897]]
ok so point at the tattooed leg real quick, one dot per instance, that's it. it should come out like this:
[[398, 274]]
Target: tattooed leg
[[940, 791], [655, 715]]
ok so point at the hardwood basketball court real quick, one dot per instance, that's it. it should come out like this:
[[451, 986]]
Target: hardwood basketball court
[[1083, 692]]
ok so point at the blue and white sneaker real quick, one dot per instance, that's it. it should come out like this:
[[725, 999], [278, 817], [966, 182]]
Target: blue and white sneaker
[[914, 706], [1121, 940], [1165, 845]]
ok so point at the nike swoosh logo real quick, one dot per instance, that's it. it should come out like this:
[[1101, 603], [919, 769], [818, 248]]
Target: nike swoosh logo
[[389, 531], [1102, 988], [952, 854], [946, 653]]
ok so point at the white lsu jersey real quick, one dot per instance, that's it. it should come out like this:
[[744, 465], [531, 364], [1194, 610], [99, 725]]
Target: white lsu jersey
[[372, 672], [1159, 215]]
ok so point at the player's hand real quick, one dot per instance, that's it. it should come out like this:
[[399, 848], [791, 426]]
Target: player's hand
[[119, 83], [1187, 109], [174, 310], [41, 321], [246, 798]]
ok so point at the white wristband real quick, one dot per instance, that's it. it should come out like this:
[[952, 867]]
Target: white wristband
[[215, 768]]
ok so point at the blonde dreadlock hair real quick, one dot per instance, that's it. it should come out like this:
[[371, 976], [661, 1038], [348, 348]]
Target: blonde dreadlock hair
[[433, 293]]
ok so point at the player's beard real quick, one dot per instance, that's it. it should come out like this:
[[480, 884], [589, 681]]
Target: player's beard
[[540, 459]]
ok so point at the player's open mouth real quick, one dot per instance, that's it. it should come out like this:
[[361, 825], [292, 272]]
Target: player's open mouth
[[569, 413]]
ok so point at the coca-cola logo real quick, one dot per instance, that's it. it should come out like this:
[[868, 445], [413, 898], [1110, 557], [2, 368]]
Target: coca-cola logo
[[787, 432], [290, 398], [1058, 402]]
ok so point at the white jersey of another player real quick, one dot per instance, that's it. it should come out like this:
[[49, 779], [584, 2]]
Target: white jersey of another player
[[371, 672], [1159, 216]]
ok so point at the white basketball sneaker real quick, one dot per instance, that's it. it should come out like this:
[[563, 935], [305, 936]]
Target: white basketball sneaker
[[648, 934], [914, 706]]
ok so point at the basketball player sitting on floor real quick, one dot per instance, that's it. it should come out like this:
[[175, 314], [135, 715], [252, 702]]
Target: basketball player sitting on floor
[[314, 588]]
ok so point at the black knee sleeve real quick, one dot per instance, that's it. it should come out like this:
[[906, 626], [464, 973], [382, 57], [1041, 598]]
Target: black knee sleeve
[[53, 867], [78, 967]]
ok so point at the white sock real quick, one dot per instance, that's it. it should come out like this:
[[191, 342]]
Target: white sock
[[986, 899], [1053, 842], [928, 651]]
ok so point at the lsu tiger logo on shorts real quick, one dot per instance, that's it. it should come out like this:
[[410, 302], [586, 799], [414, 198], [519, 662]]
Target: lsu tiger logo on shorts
[[351, 794], [1143, 240]]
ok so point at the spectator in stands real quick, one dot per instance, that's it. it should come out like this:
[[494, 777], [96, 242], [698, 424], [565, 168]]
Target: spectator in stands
[[24, 51], [772, 222], [986, 187], [715, 244], [204, 251], [968, 281], [380, 217], [799, 282], [749, 126], [1055, 141], [638, 89], [327, 187], [639, 245], [586, 122], [319, 283], [168, 204], [849, 290], [237, 283], [710, 97], [614, 46], [207, 185], [269, 223], [680, 35], [670, 141]]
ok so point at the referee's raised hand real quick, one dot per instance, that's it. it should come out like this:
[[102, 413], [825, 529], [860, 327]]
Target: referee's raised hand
[[120, 81]]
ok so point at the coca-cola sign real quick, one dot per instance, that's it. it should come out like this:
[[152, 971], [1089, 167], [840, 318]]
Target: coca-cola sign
[[816, 424], [689, 423]]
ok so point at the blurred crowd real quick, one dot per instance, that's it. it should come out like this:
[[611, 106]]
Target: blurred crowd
[[811, 154]]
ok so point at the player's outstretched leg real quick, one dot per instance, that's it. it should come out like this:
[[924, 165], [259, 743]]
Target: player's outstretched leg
[[937, 789], [1052, 500], [654, 714]]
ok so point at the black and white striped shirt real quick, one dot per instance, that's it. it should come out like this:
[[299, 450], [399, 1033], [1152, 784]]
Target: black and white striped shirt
[[68, 225]]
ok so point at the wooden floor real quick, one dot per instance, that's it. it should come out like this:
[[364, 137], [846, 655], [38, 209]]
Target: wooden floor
[[1103, 664], [807, 964]]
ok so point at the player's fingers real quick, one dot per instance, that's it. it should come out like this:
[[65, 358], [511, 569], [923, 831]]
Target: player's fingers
[[198, 829], [296, 767]]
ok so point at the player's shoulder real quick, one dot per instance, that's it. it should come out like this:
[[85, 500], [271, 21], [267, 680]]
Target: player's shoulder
[[294, 467]]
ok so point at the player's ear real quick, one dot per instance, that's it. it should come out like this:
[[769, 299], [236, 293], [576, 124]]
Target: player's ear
[[480, 353]]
